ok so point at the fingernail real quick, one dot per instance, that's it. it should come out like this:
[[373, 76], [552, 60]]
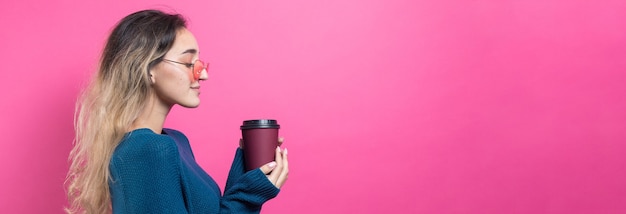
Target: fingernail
[[285, 151], [278, 148], [272, 164]]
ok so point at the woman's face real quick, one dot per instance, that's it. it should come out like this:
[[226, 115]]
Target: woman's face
[[173, 82]]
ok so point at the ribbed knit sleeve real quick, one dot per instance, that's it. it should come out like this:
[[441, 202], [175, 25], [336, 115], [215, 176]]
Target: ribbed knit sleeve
[[245, 192], [237, 169], [145, 177]]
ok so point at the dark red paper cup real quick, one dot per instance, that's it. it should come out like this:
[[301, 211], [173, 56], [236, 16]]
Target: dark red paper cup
[[260, 139]]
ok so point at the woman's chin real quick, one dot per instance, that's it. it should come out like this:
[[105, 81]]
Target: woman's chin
[[194, 104]]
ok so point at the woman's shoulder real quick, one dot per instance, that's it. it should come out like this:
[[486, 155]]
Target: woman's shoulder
[[145, 143], [143, 151], [177, 135]]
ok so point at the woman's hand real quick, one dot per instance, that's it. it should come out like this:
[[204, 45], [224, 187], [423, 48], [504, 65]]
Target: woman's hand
[[277, 171]]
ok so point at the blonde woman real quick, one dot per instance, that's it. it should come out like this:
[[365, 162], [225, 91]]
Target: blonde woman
[[123, 160]]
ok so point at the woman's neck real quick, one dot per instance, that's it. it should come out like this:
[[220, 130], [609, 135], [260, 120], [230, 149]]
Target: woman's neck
[[152, 116]]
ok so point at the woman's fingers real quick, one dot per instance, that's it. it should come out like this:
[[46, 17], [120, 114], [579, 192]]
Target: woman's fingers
[[279, 166], [282, 178], [277, 171], [267, 168], [275, 174]]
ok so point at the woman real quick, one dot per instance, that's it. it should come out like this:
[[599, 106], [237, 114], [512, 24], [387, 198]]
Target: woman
[[123, 160]]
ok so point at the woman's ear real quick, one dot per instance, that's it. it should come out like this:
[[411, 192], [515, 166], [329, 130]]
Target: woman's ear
[[152, 80]]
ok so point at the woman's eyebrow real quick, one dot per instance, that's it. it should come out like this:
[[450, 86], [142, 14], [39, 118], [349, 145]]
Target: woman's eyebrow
[[191, 51]]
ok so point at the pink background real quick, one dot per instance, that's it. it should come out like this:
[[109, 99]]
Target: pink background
[[509, 106]]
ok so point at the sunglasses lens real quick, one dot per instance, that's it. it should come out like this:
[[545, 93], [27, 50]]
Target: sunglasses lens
[[197, 69]]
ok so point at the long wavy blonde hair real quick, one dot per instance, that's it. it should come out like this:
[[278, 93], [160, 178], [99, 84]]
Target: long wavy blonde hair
[[112, 101]]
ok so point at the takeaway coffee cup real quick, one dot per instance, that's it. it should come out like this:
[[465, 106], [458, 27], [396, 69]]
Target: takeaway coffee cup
[[260, 139]]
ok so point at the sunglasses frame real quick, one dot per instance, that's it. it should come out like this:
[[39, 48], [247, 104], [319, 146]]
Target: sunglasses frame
[[195, 74]]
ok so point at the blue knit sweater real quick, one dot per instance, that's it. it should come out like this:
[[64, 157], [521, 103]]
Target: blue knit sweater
[[157, 173]]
